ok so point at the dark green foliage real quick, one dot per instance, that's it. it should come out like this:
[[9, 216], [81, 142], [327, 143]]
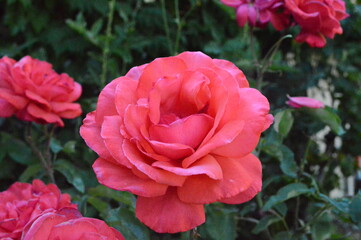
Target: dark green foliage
[[298, 165]]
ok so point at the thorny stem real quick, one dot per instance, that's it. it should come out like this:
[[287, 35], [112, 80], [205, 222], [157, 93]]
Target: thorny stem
[[107, 42], [45, 161]]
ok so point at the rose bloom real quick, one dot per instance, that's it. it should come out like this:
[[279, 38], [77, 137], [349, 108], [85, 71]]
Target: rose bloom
[[179, 132], [259, 12], [298, 102], [318, 19], [23, 202], [67, 224], [33, 91]]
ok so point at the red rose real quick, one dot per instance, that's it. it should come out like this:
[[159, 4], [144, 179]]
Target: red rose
[[33, 91], [318, 19], [179, 132], [23, 202], [68, 223]]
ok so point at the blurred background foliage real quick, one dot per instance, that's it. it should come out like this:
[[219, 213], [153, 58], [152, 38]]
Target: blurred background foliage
[[306, 155]]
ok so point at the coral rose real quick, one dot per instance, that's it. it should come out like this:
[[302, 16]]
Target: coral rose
[[23, 202], [66, 224], [318, 19], [298, 102], [33, 91], [179, 132]]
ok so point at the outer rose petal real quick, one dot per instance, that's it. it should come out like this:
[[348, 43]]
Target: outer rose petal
[[254, 169], [42, 115], [236, 178], [313, 39], [233, 70], [167, 214], [105, 105], [121, 178], [7, 110], [90, 132]]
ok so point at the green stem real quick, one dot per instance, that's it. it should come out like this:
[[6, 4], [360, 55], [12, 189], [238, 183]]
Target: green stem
[[179, 27], [281, 218], [166, 26], [46, 162], [106, 48]]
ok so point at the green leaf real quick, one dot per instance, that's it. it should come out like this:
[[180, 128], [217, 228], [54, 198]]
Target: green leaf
[[341, 206], [285, 235], [125, 221], [355, 209], [328, 117], [283, 122], [30, 172], [55, 145], [322, 228], [120, 196], [71, 174], [287, 192], [69, 147], [98, 204], [284, 155], [221, 222], [16, 149], [264, 223]]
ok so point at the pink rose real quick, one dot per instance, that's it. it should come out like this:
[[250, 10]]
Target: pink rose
[[318, 19], [298, 102], [260, 12], [23, 202], [33, 91], [68, 223], [179, 132]]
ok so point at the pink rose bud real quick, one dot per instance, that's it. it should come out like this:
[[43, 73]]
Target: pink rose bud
[[298, 102]]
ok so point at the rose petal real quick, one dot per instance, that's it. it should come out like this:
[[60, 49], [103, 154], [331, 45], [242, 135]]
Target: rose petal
[[140, 162], [66, 110], [113, 140], [159, 68], [167, 214], [224, 136], [202, 190], [254, 169], [207, 165], [47, 117], [105, 105], [122, 179], [183, 130], [90, 132], [125, 94]]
